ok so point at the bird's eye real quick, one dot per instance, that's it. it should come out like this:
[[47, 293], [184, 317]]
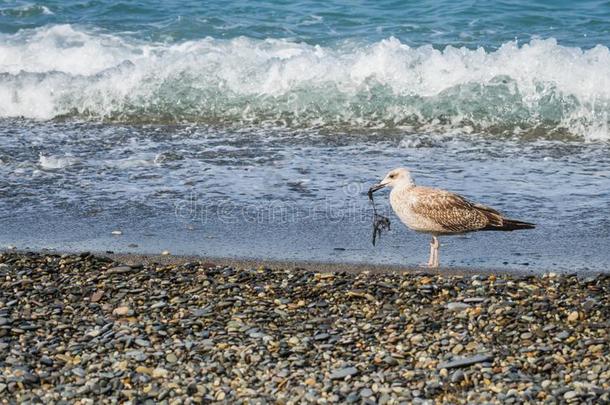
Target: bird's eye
[[392, 176]]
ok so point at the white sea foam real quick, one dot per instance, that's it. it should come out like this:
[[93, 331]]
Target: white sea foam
[[25, 10], [539, 86], [56, 162]]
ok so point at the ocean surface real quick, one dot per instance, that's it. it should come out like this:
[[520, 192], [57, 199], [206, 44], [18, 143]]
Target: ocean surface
[[252, 129]]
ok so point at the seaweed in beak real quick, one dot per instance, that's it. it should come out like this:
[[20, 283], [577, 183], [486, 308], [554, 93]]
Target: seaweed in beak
[[380, 222]]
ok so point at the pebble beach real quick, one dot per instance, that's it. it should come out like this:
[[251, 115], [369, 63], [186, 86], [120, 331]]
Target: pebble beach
[[88, 329]]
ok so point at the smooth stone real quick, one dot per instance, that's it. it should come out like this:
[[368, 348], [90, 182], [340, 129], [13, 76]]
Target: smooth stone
[[137, 355], [160, 372], [79, 372], [416, 339], [208, 342], [457, 376], [457, 349], [457, 306], [466, 361], [144, 370], [119, 270], [142, 343], [93, 333], [121, 311], [573, 317], [366, 392], [343, 372], [31, 379], [157, 305], [171, 358]]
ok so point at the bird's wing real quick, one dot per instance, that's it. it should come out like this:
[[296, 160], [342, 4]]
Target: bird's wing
[[453, 212], [494, 218]]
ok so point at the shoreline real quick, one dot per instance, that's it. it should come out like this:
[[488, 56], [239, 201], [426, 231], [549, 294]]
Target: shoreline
[[320, 266], [316, 242], [90, 328]]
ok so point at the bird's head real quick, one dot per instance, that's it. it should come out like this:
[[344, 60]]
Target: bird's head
[[395, 178]]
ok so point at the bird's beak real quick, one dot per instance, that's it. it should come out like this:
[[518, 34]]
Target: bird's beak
[[376, 187]]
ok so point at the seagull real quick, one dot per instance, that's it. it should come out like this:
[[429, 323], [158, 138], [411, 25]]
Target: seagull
[[440, 212]]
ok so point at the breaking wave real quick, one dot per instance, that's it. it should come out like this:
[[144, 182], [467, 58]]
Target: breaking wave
[[539, 89]]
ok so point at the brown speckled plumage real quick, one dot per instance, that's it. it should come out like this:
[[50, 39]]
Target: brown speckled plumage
[[441, 212]]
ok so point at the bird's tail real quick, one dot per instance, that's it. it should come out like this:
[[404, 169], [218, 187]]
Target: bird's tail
[[510, 225], [497, 222]]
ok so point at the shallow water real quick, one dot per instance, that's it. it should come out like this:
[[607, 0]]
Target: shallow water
[[254, 129], [294, 194]]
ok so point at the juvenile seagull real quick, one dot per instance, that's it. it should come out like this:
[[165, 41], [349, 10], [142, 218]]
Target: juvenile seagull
[[439, 212]]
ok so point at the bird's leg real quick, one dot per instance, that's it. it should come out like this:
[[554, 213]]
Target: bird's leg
[[434, 245], [431, 259]]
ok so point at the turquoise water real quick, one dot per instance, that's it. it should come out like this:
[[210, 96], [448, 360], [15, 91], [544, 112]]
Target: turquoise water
[[253, 129], [440, 23]]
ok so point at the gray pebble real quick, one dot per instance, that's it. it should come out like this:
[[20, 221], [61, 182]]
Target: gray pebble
[[78, 372], [142, 343], [366, 392], [466, 361], [457, 306], [457, 376], [119, 270], [343, 372]]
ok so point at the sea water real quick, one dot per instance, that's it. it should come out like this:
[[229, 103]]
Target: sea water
[[253, 129]]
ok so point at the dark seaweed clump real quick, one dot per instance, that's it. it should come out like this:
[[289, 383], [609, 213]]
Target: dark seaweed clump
[[380, 222]]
